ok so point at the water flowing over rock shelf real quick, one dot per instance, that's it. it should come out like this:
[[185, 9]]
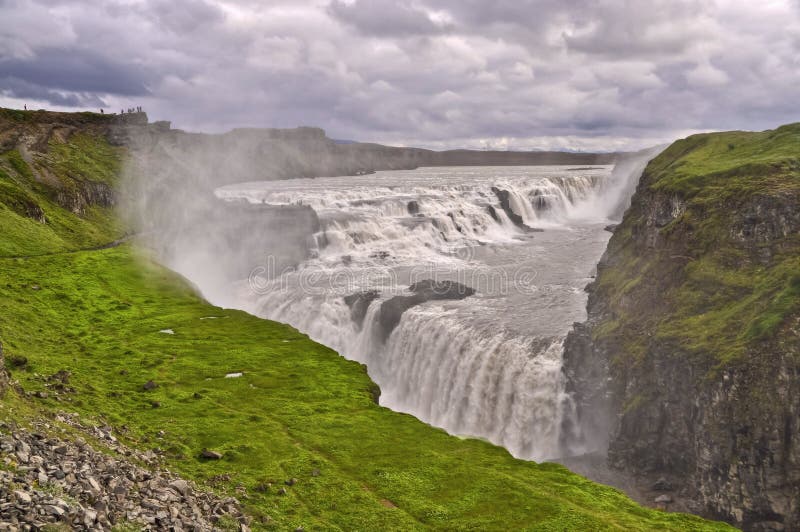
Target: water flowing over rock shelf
[[436, 281]]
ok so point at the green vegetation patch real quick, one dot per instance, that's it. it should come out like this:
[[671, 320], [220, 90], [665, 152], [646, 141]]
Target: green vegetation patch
[[86, 158], [32, 222], [298, 410], [729, 163], [708, 288]]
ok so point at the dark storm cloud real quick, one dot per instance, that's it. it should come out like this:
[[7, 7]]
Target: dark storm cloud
[[503, 73], [17, 88], [78, 71]]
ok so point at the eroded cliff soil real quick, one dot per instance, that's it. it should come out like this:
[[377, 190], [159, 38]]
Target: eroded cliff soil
[[688, 367]]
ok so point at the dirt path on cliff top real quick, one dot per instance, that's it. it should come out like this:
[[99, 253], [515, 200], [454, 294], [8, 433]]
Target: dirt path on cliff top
[[109, 245]]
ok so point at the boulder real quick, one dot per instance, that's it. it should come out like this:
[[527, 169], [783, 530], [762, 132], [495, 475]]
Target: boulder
[[181, 486], [662, 484], [505, 203], [22, 497], [441, 289], [392, 310], [211, 455]]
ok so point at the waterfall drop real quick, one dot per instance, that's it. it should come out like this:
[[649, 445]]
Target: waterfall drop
[[487, 364]]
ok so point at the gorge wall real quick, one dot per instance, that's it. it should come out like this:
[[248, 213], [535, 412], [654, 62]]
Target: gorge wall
[[688, 366]]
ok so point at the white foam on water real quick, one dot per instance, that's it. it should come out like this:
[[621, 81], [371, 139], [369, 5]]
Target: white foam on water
[[486, 366]]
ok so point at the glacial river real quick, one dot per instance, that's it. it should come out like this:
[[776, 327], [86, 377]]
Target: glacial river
[[488, 365]]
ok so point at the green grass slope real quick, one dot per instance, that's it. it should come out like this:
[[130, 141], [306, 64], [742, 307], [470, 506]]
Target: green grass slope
[[298, 411], [33, 219], [723, 277], [298, 407]]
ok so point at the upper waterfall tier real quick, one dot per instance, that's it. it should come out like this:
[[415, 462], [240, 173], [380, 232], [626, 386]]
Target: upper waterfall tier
[[433, 213]]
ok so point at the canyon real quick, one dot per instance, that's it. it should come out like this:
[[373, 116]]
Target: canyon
[[682, 368]]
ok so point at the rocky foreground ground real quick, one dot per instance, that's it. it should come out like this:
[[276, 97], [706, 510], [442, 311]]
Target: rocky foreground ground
[[49, 480]]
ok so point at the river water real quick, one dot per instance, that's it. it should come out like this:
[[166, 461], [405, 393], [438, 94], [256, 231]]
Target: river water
[[488, 365]]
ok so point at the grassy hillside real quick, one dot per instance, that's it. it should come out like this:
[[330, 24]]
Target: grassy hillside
[[55, 189], [695, 312], [724, 271], [116, 320]]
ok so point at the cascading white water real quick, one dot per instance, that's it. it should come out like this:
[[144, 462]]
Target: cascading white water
[[488, 365]]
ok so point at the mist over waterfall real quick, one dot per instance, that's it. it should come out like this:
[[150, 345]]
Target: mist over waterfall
[[489, 365], [456, 286]]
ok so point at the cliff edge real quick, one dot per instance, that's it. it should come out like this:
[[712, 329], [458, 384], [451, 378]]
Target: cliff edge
[[688, 367]]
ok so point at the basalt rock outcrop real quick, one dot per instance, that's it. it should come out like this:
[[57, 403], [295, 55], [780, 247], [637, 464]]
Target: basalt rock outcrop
[[359, 304], [505, 203], [392, 309], [688, 366]]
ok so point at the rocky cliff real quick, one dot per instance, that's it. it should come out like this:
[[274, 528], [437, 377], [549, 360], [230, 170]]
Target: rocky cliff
[[69, 156], [688, 367]]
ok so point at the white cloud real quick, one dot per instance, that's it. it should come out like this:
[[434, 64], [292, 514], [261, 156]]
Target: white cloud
[[706, 75], [439, 73]]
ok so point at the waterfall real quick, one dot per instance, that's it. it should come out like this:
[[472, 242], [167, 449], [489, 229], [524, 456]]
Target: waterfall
[[427, 218], [486, 366]]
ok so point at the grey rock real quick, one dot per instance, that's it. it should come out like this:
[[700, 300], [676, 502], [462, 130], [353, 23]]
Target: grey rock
[[392, 310], [56, 511], [662, 484], [359, 304], [181, 486], [211, 455], [22, 497], [106, 489]]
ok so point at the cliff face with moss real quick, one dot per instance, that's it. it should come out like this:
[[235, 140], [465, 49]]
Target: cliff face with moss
[[58, 173], [689, 363]]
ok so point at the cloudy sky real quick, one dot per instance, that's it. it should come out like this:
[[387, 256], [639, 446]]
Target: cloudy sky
[[519, 74]]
